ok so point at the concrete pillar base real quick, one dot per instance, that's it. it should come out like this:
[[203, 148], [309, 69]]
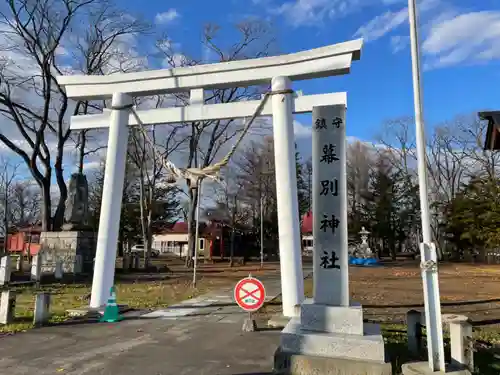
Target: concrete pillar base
[[278, 321], [286, 363], [93, 313], [42, 309], [5, 270], [249, 325], [422, 368], [7, 306]]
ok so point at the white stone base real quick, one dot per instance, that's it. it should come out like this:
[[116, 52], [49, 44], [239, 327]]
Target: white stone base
[[89, 312], [75, 249], [366, 347], [333, 332], [331, 319], [422, 368]]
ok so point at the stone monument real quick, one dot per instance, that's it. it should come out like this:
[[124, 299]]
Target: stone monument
[[77, 204], [73, 247], [330, 336]]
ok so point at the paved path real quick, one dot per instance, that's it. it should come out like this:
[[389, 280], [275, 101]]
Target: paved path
[[219, 301], [198, 337]]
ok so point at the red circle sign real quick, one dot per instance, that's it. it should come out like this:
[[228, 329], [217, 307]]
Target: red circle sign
[[249, 294]]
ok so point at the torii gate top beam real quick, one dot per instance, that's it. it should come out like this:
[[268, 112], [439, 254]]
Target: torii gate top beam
[[315, 63], [192, 113]]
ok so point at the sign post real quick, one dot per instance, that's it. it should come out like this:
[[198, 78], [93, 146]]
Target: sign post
[[250, 295]]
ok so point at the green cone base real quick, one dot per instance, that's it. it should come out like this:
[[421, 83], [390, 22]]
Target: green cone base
[[111, 314]]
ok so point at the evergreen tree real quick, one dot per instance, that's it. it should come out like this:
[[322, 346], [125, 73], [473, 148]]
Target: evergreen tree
[[381, 206], [472, 217]]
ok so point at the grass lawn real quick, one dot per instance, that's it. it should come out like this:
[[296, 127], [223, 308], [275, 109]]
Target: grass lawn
[[388, 292], [138, 291]]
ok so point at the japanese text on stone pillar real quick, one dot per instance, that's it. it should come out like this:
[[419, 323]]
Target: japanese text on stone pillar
[[329, 188]]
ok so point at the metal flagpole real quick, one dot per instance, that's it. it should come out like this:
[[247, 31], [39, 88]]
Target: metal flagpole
[[427, 249], [197, 232]]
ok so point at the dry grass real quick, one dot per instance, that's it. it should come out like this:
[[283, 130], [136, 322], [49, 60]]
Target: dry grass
[[388, 292], [138, 295], [138, 291]]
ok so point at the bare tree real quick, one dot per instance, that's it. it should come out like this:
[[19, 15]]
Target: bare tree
[[153, 181], [34, 35], [85, 137], [469, 132], [8, 174], [230, 209], [207, 139], [25, 203], [446, 170], [359, 164], [447, 165], [256, 174], [99, 50], [397, 142], [454, 153], [398, 138]]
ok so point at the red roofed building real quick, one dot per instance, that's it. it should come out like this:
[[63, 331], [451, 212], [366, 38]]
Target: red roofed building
[[175, 240], [24, 240], [307, 223], [306, 230]]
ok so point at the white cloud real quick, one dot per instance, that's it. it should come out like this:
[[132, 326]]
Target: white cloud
[[399, 42], [449, 35], [300, 130], [91, 166], [381, 25], [388, 21], [166, 17], [467, 38], [314, 12]]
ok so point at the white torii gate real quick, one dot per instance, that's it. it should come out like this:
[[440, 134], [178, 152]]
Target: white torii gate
[[278, 70]]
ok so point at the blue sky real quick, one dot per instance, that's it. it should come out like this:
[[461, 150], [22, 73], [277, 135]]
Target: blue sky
[[453, 35], [460, 42]]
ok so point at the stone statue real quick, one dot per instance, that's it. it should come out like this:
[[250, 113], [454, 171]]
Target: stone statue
[[77, 205]]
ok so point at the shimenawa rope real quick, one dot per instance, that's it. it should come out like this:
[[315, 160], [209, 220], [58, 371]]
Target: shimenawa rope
[[211, 171]]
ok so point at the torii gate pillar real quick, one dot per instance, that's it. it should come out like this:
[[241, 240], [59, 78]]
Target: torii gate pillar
[[321, 62], [112, 193], [292, 280]]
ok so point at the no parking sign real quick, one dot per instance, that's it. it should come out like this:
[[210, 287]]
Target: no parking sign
[[249, 294]]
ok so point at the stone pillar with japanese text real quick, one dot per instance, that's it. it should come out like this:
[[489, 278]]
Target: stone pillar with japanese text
[[330, 255], [330, 332]]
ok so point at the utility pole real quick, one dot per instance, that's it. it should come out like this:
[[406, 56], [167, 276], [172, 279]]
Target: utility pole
[[197, 231], [261, 230]]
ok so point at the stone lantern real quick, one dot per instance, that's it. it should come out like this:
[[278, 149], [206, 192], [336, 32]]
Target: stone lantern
[[364, 250], [364, 236]]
